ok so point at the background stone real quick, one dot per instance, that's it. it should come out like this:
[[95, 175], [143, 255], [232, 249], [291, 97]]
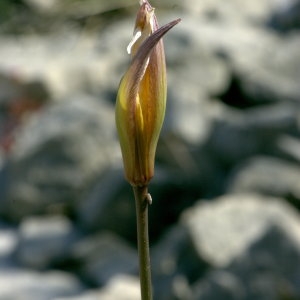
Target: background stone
[[219, 285], [121, 287], [45, 241], [250, 264], [57, 155], [221, 225], [102, 257], [28, 284], [269, 176]]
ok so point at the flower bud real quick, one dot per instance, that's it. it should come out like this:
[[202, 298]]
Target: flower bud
[[141, 98]]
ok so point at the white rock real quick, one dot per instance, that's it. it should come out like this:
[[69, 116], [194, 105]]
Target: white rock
[[223, 229], [22, 284], [120, 287]]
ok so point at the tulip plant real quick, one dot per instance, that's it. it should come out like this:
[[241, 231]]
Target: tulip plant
[[140, 110]]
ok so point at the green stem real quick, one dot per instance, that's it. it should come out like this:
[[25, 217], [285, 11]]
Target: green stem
[[142, 201]]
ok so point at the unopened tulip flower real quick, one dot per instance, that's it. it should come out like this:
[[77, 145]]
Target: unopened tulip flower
[[140, 111], [141, 98]]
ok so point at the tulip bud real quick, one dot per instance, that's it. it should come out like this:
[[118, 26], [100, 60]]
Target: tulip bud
[[141, 98]]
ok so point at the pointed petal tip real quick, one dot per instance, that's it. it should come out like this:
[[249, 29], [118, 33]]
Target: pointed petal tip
[[152, 40], [168, 26], [177, 21]]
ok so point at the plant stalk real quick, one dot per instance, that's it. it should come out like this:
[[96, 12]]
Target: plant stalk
[[142, 201]]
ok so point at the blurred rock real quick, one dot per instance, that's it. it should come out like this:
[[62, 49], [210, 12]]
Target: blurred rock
[[104, 256], [18, 100], [191, 60], [4, 177], [268, 176], [234, 223], [9, 89], [174, 264], [47, 6], [255, 12], [57, 154], [237, 135], [271, 78], [219, 285], [288, 146], [270, 269], [120, 287], [68, 63], [45, 241], [8, 243], [260, 257], [259, 77], [77, 9], [109, 204], [173, 190], [287, 17], [188, 103], [200, 75], [31, 285]]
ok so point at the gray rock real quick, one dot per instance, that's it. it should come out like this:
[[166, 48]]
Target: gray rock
[[65, 62], [195, 75], [10, 89], [4, 176], [174, 189], [269, 78], [57, 154], [18, 99], [259, 76], [174, 265], [192, 64], [8, 244], [256, 12], [96, 64], [234, 223], [109, 204], [219, 285], [267, 175], [286, 18], [270, 269], [187, 103], [23, 284], [45, 241], [120, 287], [47, 6], [78, 10], [252, 242], [237, 135], [103, 257], [289, 147]]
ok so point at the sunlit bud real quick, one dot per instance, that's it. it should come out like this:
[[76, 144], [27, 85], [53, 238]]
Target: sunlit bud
[[141, 98]]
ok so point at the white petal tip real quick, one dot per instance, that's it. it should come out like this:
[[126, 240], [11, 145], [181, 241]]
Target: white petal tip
[[136, 36]]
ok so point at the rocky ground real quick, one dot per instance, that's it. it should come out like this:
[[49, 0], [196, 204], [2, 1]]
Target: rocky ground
[[225, 220]]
